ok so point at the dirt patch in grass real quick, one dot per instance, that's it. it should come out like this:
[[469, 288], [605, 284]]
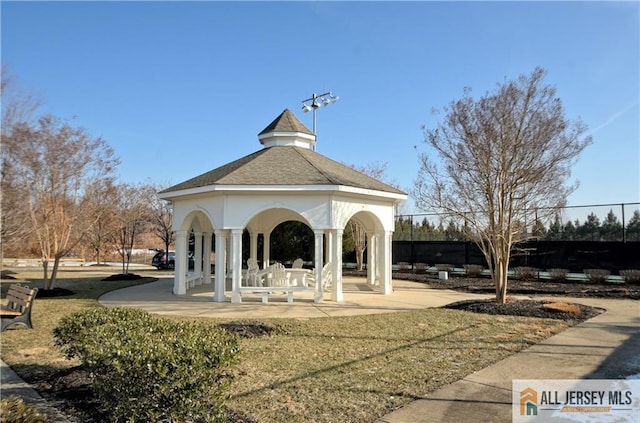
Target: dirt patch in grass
[[250, 328]]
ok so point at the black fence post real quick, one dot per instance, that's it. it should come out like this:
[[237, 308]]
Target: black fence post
[[412, 251], [624, 226]]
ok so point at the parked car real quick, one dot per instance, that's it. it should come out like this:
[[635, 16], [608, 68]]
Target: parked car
[[159, 261]]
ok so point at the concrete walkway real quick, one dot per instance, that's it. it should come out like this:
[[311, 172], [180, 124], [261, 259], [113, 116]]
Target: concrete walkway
[[605, 347], [359, 298]]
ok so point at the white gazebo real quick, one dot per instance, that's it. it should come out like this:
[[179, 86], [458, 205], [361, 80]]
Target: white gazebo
[[284, 181]]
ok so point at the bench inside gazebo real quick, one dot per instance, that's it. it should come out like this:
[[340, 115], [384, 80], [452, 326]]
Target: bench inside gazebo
[[284, 181], [276, 278]]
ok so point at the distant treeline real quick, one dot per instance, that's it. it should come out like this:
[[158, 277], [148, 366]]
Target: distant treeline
[[409, 228]]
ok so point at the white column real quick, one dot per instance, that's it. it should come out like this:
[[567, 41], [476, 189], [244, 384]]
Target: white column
[[384, 258], [336, 264], [330, 248], [266, 250], [229, 253], [179, 282], [319, 254], [372, 253], [236, 264], [221, 266], [197, 257], [253, 246], [206, 257]]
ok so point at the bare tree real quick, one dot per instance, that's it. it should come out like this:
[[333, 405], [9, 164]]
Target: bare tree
[[14, 216], [17, 107], [356, 229], [101, 234], [162, 219], [53, 166], [496, 159], [132, 217]]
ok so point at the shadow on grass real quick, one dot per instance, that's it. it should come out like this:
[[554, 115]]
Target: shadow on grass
[[78, 288], [349, 363]]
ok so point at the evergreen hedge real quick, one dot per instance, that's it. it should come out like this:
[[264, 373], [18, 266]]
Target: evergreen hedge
[[149, 368]]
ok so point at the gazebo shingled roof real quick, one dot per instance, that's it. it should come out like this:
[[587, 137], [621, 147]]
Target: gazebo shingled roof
[[286, 122], [284, 165]]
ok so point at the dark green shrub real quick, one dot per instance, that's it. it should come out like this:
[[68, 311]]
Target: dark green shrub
[[14, 410], [71, 332], [558, 275], [631, 275], [473, 270], [597, 275], [148, 368], [525, 273], [421, 267]]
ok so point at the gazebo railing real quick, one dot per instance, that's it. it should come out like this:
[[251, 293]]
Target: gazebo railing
[[193, 280]]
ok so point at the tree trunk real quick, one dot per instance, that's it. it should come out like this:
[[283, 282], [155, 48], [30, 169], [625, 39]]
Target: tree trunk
[[45, 272], [50, 281], [126, 269], [54, 273], [359, 258], [359, 234], [500, 280], [500, 276]]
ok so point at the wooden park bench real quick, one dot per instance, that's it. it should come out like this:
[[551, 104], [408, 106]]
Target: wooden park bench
[[18, 309]]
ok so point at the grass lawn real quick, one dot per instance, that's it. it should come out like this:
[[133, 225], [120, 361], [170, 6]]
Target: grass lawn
[[347, 369], [31, 353]]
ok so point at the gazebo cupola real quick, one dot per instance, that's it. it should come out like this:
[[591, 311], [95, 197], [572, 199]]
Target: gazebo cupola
[[287, 130]]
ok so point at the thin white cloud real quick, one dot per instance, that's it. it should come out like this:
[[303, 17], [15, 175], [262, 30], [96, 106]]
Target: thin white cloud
[[613, 118]]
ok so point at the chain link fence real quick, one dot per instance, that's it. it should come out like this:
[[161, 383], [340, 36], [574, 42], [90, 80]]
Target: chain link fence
[[605, 236], [618, 222]]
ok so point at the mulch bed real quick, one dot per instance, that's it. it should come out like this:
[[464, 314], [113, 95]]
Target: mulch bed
[[535, 288], [123, 277], [528, 308], [71, 391], [249, 328], [54, 293], [484, 285]]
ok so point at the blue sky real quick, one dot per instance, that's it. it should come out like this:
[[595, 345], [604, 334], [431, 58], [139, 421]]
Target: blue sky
[[180, 88]]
